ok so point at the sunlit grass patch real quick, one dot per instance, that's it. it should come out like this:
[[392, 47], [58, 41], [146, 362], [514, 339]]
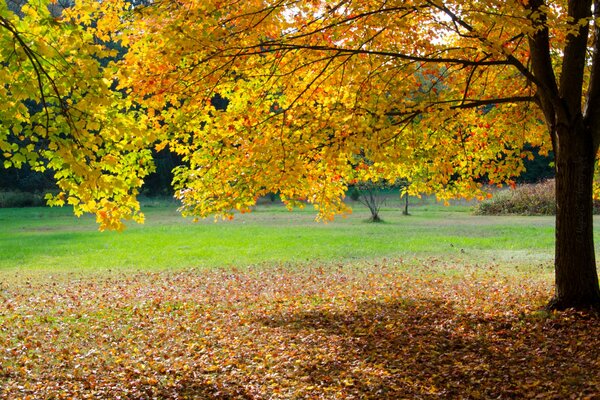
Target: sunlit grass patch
[[53, 240]]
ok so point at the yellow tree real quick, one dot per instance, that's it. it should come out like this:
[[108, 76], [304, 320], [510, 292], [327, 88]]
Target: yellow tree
[[440, 93], [60, 111]]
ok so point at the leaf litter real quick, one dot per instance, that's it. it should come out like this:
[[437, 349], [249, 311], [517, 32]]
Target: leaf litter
[[375, 330]]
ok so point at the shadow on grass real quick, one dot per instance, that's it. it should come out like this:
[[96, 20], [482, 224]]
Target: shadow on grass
[[426, 349]]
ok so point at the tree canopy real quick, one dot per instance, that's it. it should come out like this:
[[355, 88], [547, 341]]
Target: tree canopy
[[314, 88], [61, 111], [320, 94]]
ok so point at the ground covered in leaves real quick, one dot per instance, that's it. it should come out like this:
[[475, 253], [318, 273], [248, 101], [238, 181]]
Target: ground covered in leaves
[[380, 331]]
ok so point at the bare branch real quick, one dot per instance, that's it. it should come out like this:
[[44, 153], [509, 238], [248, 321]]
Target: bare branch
[[510, 59], [464, 105], [274, 46]]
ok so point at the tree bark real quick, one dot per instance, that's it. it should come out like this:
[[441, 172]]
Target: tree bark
[[576, 277], [405, 212]]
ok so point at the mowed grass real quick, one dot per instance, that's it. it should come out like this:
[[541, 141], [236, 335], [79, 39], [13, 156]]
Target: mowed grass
[[440, 304], [46, 239]]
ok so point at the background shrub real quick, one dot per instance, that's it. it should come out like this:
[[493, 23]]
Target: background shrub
[[529, 199]]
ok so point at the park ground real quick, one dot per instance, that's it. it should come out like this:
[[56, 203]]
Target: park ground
[[439, 304]]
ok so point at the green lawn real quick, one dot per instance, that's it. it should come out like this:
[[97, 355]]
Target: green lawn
[[53, 239]]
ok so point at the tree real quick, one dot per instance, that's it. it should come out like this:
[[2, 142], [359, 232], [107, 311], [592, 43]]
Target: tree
[[440, 93], [369, 194], [60, 112], [373, 196]]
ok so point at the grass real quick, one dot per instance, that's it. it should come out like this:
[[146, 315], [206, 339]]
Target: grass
[[440, 304], [54, 240]]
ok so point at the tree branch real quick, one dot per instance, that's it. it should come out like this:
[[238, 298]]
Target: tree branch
[[541, 64], [464, 105], [510, 59], [592, 102], [40, 73], [572, 75], [275, 46]]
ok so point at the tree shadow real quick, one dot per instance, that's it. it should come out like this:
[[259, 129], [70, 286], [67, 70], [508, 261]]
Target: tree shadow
[[428, 349]]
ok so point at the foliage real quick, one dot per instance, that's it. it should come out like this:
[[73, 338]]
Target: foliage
[[61, 112], [25, 179], [158, 183], [538, 169], [10, 199], [311, 89], [349, 331]]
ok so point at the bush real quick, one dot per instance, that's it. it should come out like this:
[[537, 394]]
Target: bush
[[531, 199], [10, 199]]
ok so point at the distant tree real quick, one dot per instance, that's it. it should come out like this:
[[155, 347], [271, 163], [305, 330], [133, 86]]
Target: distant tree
[[372, 196], [537, 168], [405, 196], [25, 179], [159, 182]]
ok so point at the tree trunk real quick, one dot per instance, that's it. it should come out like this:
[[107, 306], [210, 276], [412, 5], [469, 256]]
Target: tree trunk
[[576, 277]]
